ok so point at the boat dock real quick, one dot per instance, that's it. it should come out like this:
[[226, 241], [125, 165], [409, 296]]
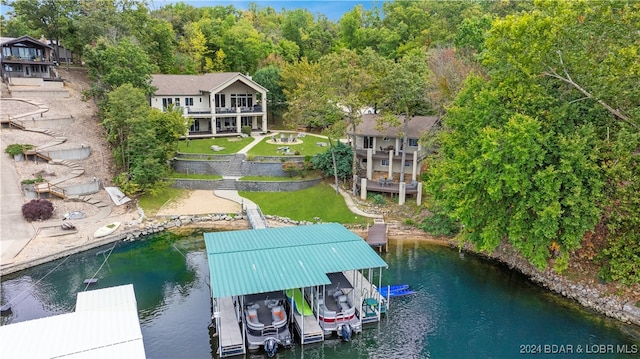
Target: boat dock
[[377, 235], [229, 334], [373, 303], [283, 259], [105, 324], [308, 328]]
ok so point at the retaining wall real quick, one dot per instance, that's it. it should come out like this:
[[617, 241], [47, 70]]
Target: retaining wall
[[264, 186], [68, 154]]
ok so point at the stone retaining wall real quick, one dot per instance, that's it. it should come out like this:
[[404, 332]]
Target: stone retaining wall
[[276, 186]]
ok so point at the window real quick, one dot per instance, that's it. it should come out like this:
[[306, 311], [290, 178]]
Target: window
[[166, 102], [368, 142], [246, 121], [241, 100], [177, 101], [407, 163], [384, 163], [188, 101], [412, 142], [220, 100]]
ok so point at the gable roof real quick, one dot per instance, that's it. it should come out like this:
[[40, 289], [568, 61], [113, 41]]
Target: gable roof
[[265, 260], [368, 126], [197, 84], [6, 41]]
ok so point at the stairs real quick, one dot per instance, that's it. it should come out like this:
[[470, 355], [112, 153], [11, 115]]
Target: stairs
[[235, 166], [227, 184]]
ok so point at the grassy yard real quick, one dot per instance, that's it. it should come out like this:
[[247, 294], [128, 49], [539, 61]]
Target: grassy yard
[[307, 147], [230, 144], [319, 201]]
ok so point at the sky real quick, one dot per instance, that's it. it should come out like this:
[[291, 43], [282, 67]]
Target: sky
[[332, 9]]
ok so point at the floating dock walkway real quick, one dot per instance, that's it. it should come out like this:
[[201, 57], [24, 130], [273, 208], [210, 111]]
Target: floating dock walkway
[[229, 334]]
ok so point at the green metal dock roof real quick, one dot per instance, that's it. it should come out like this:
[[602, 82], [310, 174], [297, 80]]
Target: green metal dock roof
[[264, 260]]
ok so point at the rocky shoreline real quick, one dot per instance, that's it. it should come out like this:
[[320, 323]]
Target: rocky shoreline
[[586, 295]]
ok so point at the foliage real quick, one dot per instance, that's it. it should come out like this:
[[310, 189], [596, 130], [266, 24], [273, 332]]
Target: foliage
[[17, 148], [522, 153], [319, 201], [377, 198], [439, 224], [113, 64], [246, 130], [37, 209], [294, 169], [32, 181], [344, 156], [143, 138]]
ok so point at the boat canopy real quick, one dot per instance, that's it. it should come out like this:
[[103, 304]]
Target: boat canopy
[[272, 259]]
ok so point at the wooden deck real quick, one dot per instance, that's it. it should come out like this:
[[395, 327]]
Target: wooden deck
[[312, 331], [377, 234], [394, 187], [230, 337]]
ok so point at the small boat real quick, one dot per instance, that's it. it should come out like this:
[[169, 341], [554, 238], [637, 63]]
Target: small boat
[[266, 322], [106, 230], [334, 307], [395, 290]]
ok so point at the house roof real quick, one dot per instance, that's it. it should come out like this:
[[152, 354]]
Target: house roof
[[5, 41], [264, 260], [196, 84], [368, 126]]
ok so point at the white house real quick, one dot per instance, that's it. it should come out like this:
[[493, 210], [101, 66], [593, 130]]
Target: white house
[[218, 103]]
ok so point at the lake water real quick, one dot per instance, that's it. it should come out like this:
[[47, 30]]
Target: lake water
[[464, 307]]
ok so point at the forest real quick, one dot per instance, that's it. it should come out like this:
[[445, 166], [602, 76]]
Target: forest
[[538, 140]]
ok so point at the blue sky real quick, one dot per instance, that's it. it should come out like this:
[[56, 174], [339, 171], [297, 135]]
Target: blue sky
[[332, 9]]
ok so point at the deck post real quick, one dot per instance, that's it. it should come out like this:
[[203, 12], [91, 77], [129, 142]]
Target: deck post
[[419, 194], [415, 166], [369, 163], [403, 193], [363, 188], [390, 165]]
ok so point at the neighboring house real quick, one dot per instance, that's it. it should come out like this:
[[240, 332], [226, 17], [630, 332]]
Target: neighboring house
[[65, 56], [379, 154], [25, 57], [218, 103]]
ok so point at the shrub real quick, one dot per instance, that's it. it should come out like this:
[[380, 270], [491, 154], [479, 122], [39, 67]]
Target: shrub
[[33, 180], [17, 148], [37, 209], [377, 198], [246, 130]]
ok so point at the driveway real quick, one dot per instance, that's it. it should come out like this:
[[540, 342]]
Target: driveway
[[15, 231]]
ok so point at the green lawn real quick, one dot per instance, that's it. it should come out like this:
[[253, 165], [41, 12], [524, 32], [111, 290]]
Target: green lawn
[[319, 201], [308, 147], [230, 144]]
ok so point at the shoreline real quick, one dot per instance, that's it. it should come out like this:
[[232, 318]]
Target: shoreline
[[584, 294]]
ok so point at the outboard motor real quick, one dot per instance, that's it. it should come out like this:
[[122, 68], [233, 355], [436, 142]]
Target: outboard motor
[[271, 347], [346, 332]]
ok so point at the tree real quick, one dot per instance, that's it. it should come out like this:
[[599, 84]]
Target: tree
[[52, 17], [526, 154], [343, 157], [269, 77], [143, 138], [114, 64]]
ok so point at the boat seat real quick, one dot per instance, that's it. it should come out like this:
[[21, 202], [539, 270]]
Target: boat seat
[[252, 314], [277, 315]]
